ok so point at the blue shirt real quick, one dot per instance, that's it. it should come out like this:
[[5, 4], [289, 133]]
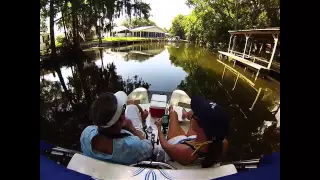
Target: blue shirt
[[127, 150]]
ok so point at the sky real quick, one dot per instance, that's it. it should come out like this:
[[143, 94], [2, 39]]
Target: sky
[[162, 13]]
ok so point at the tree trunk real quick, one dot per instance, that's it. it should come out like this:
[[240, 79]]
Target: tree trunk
[[74, 24], [79, 57], [52, 38], [64, 24], [101, 56], [54, 53], [97, 27]]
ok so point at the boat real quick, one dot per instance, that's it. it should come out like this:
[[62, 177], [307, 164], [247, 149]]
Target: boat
[[61, 163]]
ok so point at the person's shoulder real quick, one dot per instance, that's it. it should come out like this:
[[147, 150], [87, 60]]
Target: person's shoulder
[[126, 131], [89, 131]]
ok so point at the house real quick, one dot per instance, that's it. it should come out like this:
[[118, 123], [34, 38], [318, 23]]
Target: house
[[148, 31], [121, 31]]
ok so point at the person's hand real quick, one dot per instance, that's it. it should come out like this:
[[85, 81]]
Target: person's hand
[[145, 114], [187, 115], [172, 112], [127, 124], [158, 122]]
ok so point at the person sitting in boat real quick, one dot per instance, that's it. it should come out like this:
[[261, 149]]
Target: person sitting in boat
[[113, 137], [204, 139]]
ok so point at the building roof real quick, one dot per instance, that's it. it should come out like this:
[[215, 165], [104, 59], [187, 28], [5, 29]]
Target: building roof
[[119, 28], [275, 30], [148, 29]]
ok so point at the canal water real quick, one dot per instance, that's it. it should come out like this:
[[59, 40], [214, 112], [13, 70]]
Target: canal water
[[253, 106]]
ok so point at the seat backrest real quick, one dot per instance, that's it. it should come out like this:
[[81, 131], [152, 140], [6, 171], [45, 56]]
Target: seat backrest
[[104, 170]]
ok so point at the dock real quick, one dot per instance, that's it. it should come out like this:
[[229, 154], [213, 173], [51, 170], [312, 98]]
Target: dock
[[246, 57]]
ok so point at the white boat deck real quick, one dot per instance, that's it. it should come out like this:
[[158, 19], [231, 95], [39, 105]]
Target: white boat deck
[[104, 170]]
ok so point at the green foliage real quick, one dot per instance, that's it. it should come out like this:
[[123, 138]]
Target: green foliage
[[166, 30], [62, 124], [137, 22], [91, 13], [59, 41], [210, 21], [177, 27], [43, 25]]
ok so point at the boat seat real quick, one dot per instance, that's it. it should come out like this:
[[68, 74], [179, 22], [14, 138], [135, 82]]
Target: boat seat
[[104, 170]]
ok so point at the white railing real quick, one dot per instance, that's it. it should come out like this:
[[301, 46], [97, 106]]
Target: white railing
[[253, 58]]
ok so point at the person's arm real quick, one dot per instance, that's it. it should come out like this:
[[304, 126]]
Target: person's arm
[[139, 107], [136, 132], [179, 152], [127, 125]]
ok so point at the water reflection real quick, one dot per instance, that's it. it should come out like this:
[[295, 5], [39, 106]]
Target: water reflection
[[252, 133], [139, 52], [166, 67]]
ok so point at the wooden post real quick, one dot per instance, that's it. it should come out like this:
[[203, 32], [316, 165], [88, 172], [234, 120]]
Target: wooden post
[[235, 83], [245, 46], [250, 48], [256, 75], [224, 69], [275, 37], [255, 100], [234, 43], [230, 42]]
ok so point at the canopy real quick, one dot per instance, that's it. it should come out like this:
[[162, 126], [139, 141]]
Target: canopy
[[257, 31]]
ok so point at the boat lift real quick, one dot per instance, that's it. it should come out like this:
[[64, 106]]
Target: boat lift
[[248, 59]]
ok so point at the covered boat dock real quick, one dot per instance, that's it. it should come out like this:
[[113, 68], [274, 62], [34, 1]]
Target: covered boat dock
[[252, 37]]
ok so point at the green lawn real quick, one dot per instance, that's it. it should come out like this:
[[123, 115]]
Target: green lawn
[[110, 39]]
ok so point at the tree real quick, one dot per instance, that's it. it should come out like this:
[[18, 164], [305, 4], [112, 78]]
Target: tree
[[54, 52], [210, 21], [137, 22], [177, 27], [79, 16], [166, 30], [43, 25]]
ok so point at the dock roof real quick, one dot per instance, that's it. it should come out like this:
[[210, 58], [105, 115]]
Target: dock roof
[[275, 30]]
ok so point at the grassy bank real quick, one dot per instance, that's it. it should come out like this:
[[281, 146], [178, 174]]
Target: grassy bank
[[113, 39]]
